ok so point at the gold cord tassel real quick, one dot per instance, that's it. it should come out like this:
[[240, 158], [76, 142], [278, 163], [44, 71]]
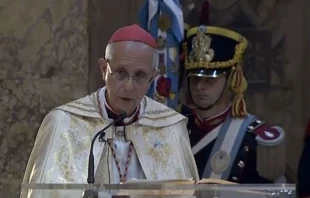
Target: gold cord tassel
[[238, 86], [239, 106]]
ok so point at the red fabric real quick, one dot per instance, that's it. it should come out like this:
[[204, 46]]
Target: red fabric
[[307, 132], [133, 33], [208, 125], [163, 86], [260, 131], [204, 14], [182, 56]]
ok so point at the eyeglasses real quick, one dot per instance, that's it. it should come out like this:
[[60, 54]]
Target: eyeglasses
[[139, 78]]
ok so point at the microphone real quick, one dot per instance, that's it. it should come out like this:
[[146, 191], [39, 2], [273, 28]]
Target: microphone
[[101, 134], [91, 193]]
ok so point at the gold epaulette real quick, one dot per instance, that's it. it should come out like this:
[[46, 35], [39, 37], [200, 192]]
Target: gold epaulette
[[271, 155]]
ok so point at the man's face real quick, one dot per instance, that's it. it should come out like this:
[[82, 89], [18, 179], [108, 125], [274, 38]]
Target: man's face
[[206, 90], [132, 59]]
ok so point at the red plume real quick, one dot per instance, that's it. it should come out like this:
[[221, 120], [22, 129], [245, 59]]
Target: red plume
[[204, 13]]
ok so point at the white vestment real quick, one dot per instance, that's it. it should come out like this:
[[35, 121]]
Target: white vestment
[[60, 154]]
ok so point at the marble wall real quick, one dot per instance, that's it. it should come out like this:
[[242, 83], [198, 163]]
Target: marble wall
[[284, 104], [43, 63]]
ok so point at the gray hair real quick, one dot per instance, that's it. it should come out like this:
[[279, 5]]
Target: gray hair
[[109, 51]]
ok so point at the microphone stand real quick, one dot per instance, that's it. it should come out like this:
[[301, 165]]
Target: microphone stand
[[92, 193]]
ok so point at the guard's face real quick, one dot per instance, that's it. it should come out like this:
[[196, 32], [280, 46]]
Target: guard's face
[[206, 90], [128, 75]]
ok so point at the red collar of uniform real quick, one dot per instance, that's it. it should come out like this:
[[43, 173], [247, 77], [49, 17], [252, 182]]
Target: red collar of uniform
[[211, 123]]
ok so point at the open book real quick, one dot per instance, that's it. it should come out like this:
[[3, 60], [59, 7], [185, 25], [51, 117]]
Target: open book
[[214, 181], [181, 181], [177, 181]]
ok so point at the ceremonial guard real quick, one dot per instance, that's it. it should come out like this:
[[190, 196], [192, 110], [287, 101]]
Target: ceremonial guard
[[164, 20], [303, 173], [228, 143]]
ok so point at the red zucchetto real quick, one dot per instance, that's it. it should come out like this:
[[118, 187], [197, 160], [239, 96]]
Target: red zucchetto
[[133, 33]]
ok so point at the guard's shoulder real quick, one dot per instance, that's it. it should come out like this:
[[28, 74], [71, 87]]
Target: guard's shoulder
[[270, 150], [266, 134]]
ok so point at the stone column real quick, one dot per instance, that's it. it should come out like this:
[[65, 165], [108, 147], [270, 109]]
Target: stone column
[[43, 63]]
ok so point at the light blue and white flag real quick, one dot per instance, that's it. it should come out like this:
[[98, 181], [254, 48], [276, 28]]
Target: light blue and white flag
[[169, 54]]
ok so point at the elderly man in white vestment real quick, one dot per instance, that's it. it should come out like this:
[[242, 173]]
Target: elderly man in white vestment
[[151, 143]]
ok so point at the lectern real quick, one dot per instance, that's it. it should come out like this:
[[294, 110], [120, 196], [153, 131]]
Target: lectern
[[163, 190]]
